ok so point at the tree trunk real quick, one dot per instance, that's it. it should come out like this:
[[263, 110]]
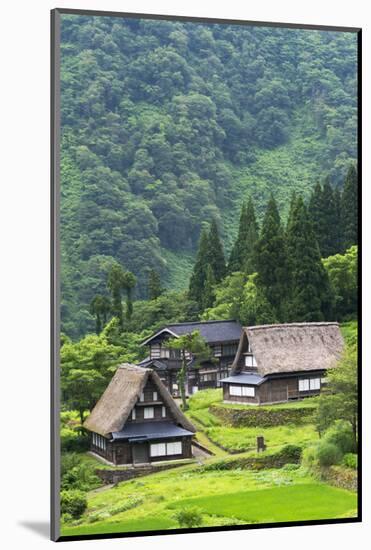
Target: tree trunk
[[181, 381]]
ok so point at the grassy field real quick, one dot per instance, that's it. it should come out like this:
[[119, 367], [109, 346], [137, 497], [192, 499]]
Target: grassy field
[[244, 439], [242, 496], [277, 504]]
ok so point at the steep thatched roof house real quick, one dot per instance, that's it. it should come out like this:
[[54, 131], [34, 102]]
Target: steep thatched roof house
[[276, 363], [221, 336], [137, 421]]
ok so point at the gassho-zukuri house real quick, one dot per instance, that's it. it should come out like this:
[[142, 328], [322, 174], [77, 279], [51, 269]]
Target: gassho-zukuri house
[[137, 421], [277, 363], [221, 336]]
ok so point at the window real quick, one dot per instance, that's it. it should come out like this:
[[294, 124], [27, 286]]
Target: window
[[230, 349], [94, 439], [250, 361], [165, 353], [155, 396], [133, 414], [166, 449], [141, 398], [323, 380], [155, 351], [303, 384], [175, 386], [217, 350], [309, 384], [149, 412], [248, 391], [235, 390], [163, 412], [175, 354], [158, 449], [174, 448], [315, 383], [207, 377]]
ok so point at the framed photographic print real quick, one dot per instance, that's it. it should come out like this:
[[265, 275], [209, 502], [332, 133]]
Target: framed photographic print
[[205, 231]]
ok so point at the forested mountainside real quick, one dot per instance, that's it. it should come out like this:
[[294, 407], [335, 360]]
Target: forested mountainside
[[168, 125]]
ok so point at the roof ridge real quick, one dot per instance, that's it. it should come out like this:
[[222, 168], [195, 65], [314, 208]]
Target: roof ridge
[[304, 324], [214, 321]]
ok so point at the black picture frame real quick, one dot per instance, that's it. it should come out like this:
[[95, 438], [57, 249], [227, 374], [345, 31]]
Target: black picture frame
[[55, 268]]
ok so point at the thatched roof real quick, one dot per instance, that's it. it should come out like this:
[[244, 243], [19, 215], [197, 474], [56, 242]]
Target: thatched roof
[[291, 347], [114, 407]]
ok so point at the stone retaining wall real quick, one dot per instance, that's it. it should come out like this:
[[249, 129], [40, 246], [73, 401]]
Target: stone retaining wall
[[116, 476], [256, 416], [341, 477]]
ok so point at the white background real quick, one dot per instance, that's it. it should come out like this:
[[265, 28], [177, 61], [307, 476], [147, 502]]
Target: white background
[[24, 271]]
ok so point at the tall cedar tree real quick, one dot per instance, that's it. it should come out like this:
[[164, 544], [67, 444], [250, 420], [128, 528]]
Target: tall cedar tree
[[349, 209], [311, 295], [242, 253], [215, 257], [154, 285], [119, 280], [198, 277], [272, 263], [330, 236], [324, 212], [315, 212], [208, 297], [100, 307]]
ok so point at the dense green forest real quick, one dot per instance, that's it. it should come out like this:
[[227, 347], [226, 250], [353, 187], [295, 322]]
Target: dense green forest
[[170, 127]]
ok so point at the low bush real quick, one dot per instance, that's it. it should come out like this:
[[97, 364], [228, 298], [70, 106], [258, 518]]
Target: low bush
[[189, 517], [77, 474], [74, 440], [73, 503], [310, 458], [341, 435], [290, 467], [350, 460], [328, 453], [290, 454]]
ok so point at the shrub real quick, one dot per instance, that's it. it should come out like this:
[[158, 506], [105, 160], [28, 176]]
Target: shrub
[[76, 474], [290, 453], [328, 454], [341, 435], [350, 460], [189, 517], [310, 458], [74, 440], [73, 503], [290, 467]]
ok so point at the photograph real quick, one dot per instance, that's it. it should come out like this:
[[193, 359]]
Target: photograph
[[205, 201]]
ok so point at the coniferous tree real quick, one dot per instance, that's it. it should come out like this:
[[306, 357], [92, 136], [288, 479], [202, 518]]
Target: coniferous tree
[[235, 257], [242, 253], [349, 209], [100, 306], [315, 211], [154, 285], [208, 296], [311, 295], [198, 277], [329, 237], [338, 234], [119, 280], [272, 262], [215, 256]]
